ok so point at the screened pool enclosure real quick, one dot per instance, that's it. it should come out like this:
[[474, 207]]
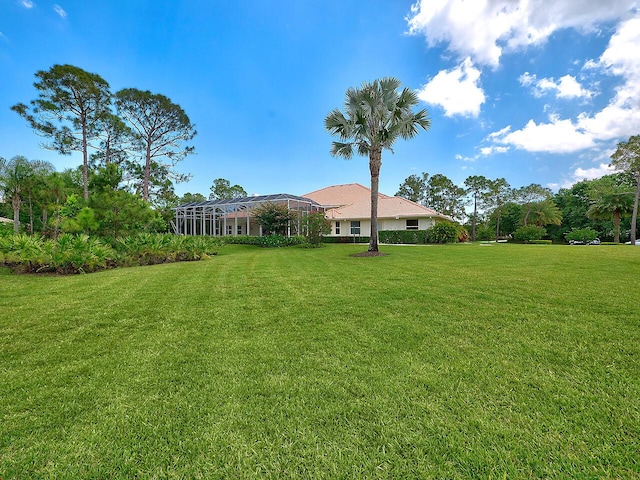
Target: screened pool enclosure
[[233, 216]]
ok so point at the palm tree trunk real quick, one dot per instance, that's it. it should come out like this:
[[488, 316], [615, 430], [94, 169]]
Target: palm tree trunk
[[475, 218], [375, 162], [634, 215], [616, 226], [15, 203]]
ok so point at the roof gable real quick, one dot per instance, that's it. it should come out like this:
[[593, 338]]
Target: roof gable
[[353, 200]]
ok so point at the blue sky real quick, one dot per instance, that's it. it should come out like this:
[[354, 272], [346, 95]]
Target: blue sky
[[533, 91]]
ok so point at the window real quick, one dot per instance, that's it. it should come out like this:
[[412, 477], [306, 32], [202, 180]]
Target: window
[[412, 224], [355, 227], [239, 229], [337, 228], [229, 229]]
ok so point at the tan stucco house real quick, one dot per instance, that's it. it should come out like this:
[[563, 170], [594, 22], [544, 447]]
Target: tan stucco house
[[348, 207]]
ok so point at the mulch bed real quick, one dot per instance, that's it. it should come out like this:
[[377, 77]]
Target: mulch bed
[[369, 254]]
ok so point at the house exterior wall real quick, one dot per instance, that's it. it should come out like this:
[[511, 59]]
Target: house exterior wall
[[383, 224]]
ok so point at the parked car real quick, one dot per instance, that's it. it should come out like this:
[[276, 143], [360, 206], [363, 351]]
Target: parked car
[[595, 241], [629, 243]]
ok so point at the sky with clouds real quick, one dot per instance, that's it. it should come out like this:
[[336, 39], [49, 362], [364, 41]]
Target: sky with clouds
[[535, 91]]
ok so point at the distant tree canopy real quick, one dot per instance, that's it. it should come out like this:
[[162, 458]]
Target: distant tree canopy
[[222, 189], [145, 134]]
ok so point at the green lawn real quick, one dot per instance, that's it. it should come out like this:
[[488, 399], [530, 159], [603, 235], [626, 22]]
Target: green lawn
[[461, 361]]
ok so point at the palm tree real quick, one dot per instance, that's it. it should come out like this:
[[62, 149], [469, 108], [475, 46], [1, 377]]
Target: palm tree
[[546, 212], [626, 158], [616, 202], [13, 178], [376, 115]]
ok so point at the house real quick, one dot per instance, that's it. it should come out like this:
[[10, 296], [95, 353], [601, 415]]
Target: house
[[348, 207]]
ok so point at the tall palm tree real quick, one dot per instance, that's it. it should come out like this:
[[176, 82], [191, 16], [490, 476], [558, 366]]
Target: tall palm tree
[[375, 116], [626, 158]]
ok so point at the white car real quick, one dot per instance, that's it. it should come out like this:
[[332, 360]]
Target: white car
[[629, 243]]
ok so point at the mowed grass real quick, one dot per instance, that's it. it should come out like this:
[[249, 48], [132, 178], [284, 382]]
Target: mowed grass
[[461, 361]]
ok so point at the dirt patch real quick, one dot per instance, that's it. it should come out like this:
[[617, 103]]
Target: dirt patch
[[369, 254]]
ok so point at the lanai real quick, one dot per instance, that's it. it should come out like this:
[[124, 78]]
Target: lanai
[[233, 216]]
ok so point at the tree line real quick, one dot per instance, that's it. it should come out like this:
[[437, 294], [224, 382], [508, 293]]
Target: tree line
[[606, 205]]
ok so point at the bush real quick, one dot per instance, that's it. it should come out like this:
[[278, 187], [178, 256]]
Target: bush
[[276, 241], [483, 232], [346, 239], [315, 225], [83, 254], [582, 235], [540, 242], [402, 236], [444, 232], [529, 233]]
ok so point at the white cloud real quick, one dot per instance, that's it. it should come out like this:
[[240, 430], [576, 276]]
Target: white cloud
[[60, 11], [483, 29], [618, 120], [27, 3], [592, 173], [494, 149], [557, 136], [455, 90], [566, 87]]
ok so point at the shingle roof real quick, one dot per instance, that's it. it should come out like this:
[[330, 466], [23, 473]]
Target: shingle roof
[[352, 200]]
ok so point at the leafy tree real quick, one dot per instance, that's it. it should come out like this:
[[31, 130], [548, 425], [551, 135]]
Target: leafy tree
[[70, 105], [528, 197], [117, 211], [160, 128], [56, 189], [444, 196], [191, 198], [498, 193], [414, 188], [376, 115], [275, 218], [35, 185], [627, 159], [114, 137], [222, 189], [610, 199], [477, 185]]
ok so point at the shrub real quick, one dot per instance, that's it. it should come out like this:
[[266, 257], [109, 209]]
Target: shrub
[[444, 232], [402, 236], [528, 233], [584, 235], [346, 239], [483, 232], [315, 225], [540, 242]]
